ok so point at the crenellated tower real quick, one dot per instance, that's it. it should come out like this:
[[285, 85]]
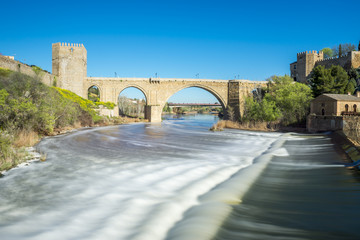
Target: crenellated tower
[[69, 63], [306, 61]]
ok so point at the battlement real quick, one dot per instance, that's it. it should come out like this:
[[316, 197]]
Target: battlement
[[309, 52], [68, 44], [348, 54]]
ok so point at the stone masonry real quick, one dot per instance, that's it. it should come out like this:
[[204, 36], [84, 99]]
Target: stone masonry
[[306, 61]]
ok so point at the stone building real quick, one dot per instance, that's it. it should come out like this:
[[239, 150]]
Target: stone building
[[306, 61], [327, 111], [335, 104]]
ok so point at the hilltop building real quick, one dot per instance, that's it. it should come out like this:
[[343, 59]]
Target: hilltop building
[[306, 61]]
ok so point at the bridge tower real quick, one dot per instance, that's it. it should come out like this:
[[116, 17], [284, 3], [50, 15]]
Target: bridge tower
[[69, 63]]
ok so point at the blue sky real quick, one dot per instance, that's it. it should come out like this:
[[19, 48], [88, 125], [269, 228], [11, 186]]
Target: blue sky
[[178, 38]]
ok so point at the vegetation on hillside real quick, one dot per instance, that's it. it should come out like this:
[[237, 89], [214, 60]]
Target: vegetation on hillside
[[334, 80], [29, 109], [283, 103]]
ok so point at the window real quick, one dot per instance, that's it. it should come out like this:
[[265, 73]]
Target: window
[[71, 49], [354, 108], [294, 66], [323, 112], [346, 108]]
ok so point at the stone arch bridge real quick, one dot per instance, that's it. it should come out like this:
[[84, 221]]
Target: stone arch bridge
[[69, 65], [157, 91]]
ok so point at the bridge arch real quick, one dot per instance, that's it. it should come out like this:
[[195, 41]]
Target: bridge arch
[[218, 96], [120, 90], [100, 95], [128, 107]]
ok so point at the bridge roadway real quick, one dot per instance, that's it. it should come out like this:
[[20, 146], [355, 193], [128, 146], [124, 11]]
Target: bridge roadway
[[157, 91]]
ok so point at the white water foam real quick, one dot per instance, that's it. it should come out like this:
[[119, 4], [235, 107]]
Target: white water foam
[[215, 206], [92, 187]]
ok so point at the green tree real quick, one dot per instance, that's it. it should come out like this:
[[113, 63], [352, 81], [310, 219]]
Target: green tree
[[291, 98], [332, 80], [167, 108], [327, 52], [285, 101], [260, 111]]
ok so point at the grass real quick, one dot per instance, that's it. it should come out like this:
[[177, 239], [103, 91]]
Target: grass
[[26, 139]]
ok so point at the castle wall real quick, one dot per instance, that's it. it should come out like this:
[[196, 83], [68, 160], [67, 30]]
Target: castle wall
[[16, 66], [344, 61], [355, 59]]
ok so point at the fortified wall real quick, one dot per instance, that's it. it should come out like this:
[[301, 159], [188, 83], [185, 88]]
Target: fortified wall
[[306, 61], [16, 66]]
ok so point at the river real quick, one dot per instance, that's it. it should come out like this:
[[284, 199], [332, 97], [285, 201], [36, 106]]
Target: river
[[178, 180]]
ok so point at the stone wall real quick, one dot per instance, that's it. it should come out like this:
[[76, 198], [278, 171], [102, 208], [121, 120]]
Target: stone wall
[[344, 61], [355, 59], [324, 123], [17, 66], [352, 128]]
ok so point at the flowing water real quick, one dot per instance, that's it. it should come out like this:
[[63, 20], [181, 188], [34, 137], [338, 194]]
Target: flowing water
[[177, 180]]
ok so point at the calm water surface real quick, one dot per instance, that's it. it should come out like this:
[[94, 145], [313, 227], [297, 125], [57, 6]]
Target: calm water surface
[[177, 180]]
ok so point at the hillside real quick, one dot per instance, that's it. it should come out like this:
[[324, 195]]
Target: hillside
[[29, 110]]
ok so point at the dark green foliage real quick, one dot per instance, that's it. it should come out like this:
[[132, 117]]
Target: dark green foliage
[[340, 52], [331, 80]]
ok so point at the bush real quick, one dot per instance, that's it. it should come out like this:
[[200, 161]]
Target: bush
[[28, 108], [285, 101]]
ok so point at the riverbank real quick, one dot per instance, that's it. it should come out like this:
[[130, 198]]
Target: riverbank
[[255, 126], [24, 145]]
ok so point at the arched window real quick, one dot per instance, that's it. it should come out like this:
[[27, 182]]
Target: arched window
[[354, 107], [346, 108], [323, 112]]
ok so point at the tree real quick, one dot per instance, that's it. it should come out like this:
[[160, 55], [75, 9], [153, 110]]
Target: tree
[[331, 80], [260, 111], [285, 101], [167, 108], [343, 49], [327, 52], [291, 98]]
